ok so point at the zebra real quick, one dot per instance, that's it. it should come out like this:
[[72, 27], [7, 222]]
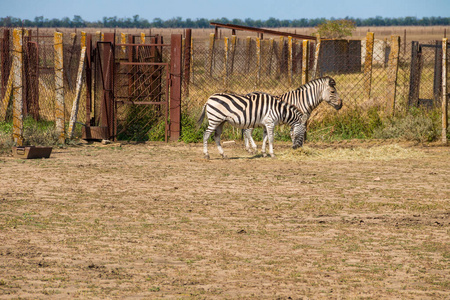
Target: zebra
[[306, 99], [246, 112]]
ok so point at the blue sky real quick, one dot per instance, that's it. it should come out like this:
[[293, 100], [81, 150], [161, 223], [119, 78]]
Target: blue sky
[[94, 10]]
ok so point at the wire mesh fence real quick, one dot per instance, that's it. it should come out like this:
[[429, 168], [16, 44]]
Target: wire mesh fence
[[362, 69]]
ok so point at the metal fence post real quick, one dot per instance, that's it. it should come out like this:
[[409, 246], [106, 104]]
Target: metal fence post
[[17, 61], [444, 91], [175, 93], [392, 73], [59, 87], [368, 64]]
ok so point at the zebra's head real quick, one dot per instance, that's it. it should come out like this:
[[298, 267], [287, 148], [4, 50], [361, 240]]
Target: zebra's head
[[330, 94]]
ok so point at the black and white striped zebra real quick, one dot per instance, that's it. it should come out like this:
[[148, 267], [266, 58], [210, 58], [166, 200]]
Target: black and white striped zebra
[[246, 112], [306, 99]]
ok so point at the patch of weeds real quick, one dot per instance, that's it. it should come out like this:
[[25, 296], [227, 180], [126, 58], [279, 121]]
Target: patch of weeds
[[154, 289], [417, 124]]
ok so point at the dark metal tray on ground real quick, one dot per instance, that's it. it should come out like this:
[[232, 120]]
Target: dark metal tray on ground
[[31, 152]]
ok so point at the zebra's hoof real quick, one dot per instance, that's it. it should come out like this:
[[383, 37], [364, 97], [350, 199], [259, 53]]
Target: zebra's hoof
[[206, 156], [264, 155], [224, 156], [273, 155]]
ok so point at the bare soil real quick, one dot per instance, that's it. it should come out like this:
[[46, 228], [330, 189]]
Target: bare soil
[[155, 220]]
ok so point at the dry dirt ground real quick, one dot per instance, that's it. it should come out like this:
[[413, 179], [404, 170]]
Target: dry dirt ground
[[346, 220]]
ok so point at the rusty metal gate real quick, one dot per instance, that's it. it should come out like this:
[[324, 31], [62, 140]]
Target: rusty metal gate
[[132, 88], [141, 88], [426, 63]]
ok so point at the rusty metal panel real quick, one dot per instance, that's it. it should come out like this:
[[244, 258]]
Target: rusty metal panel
[[30, 152], [175, 94], [107, 105]]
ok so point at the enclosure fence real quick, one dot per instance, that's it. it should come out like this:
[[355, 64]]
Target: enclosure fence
[[41, 76]]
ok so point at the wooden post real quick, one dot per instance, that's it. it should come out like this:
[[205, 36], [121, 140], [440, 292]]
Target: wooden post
[[233, 52], [289, 60], [59, 87], [248, 43], [211, 53], [123, 40], [258, 62], [225, 63], [187, 60], [368, 64], [5, 66], [73, 115], [270, 52], [16, 69], [316, 58], [392, 73], [305, 61], [175, 94], [281, 65], [414, 76], [444, 91]]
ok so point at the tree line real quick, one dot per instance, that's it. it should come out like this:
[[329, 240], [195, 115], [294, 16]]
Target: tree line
[[178, 22]]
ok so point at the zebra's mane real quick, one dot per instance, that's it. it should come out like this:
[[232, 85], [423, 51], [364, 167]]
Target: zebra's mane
[[307, 85]]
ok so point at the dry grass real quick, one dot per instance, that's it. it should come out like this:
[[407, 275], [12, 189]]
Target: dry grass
[[346, 220]]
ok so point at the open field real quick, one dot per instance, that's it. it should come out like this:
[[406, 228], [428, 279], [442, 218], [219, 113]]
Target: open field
[[344, 220], [413, 33]]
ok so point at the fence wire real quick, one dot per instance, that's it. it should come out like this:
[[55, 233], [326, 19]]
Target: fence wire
[[237, 65]]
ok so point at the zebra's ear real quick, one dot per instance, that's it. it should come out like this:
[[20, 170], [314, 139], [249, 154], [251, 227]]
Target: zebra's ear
[[331, 82]]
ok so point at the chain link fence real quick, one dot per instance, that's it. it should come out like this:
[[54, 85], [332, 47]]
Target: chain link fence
[[238, 65]]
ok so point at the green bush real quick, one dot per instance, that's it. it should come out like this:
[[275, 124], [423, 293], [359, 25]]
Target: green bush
[[420, 125]]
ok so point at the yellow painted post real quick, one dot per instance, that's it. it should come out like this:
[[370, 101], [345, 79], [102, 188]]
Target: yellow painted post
[[83, 39], [211, 53], [258, 61], [59, 87], [123, 40], [392, 73], [225, 63], [305, 62], [290, 60], [316, 58], [16, 69], [142, 37], [444, 92], [73, 115], [368, 64]]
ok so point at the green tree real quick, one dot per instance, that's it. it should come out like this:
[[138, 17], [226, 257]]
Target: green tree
[[336, 29]]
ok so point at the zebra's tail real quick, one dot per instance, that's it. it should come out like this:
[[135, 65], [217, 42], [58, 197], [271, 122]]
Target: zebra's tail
[[202, 116]]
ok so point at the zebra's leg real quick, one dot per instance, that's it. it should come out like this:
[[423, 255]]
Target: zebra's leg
[[206, 136], [263, 148], [249, 140], [270, 137], [217, 135]]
